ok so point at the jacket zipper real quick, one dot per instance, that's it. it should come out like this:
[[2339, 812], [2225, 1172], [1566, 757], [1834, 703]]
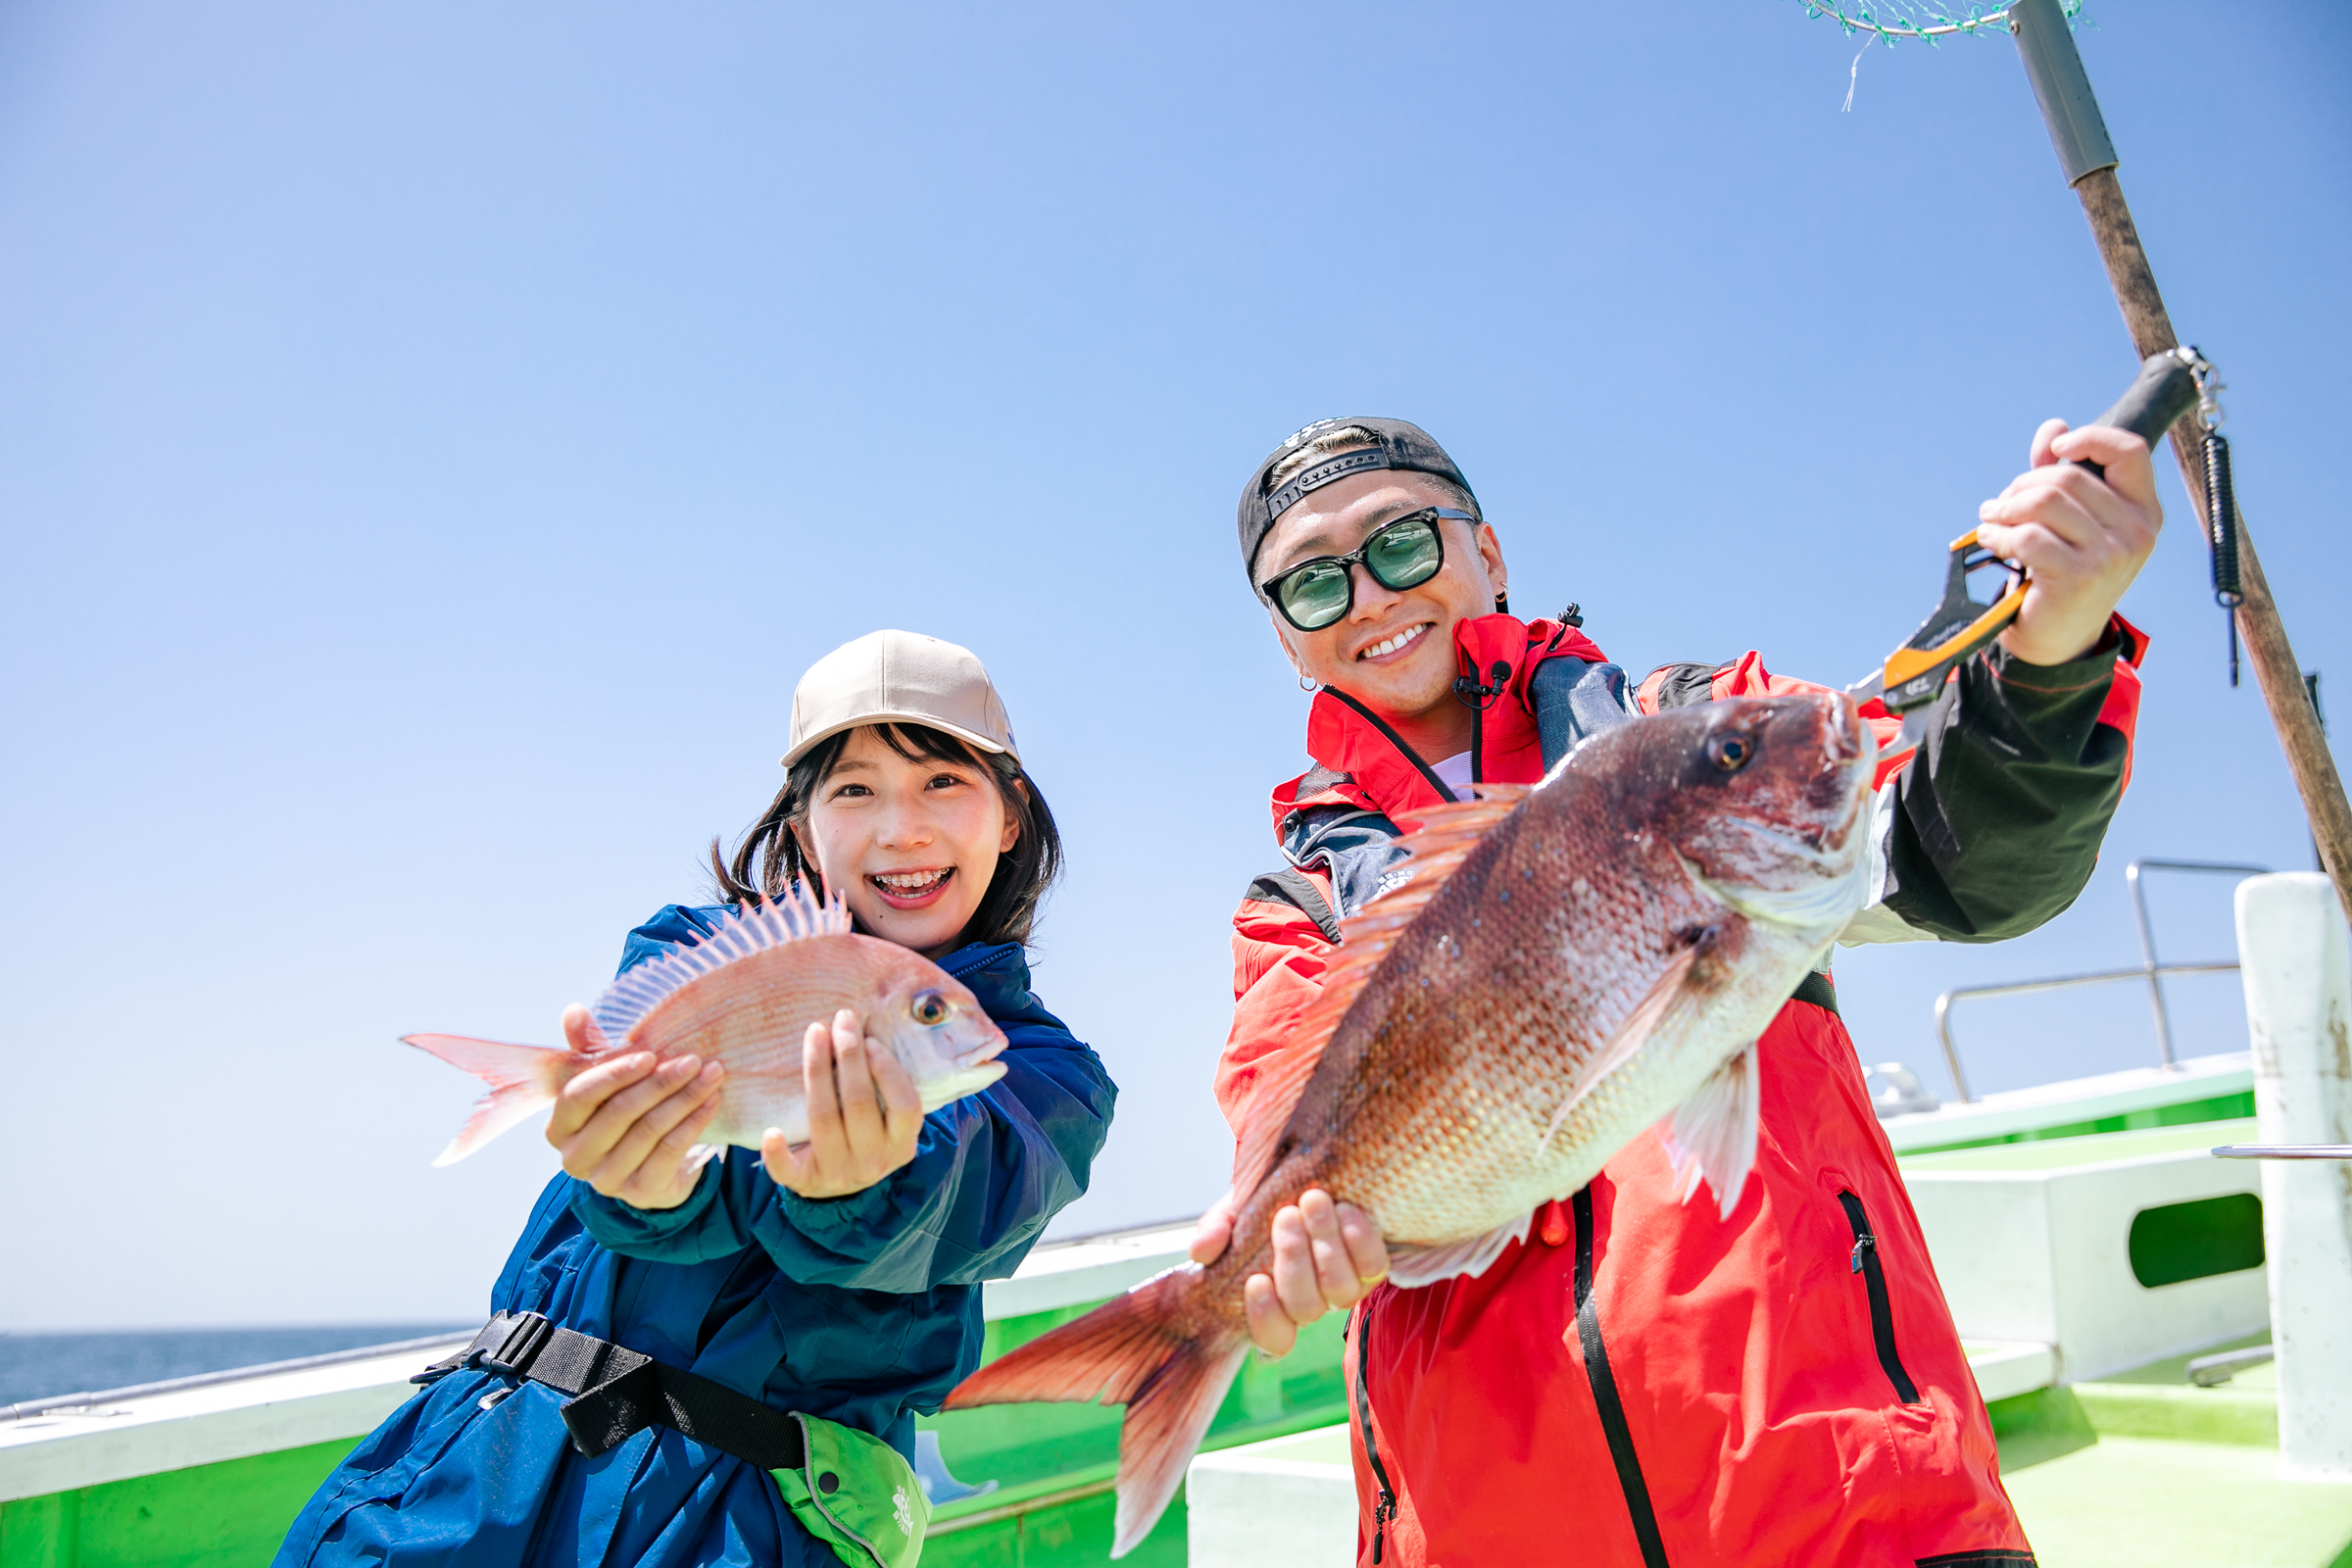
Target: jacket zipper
[[1606, 1401], [1865, 1262], [1386, 1509]]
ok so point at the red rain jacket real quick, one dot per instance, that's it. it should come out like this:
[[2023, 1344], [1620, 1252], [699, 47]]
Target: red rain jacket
[[1642, 1381]]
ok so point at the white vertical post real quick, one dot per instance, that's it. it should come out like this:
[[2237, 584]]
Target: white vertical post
[[2292, 945]]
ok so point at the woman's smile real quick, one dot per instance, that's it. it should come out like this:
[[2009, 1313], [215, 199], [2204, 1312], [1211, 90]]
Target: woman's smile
[[911, 890]]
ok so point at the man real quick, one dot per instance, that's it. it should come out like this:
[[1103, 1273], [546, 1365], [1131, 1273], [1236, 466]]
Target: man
[[1643, 1382]]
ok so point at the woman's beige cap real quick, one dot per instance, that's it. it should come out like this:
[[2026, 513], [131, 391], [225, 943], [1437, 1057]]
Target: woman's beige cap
[[898, 675]]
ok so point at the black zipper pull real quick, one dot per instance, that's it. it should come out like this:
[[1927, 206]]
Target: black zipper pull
[[1865, 1242]]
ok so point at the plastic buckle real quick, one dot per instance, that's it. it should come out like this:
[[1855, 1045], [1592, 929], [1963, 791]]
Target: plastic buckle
[[520, 1337]]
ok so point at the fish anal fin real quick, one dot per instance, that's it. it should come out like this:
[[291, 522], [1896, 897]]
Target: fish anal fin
[[1410, 1266], [1713, 1134], [1131, 1351]]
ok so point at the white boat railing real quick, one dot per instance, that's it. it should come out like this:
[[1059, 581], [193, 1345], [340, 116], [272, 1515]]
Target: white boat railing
[[2150, 970]]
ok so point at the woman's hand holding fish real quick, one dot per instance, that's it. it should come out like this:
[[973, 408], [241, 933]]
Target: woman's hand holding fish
[[863, 1115], [2082, 538], [624, 1126], [1327, 1257]]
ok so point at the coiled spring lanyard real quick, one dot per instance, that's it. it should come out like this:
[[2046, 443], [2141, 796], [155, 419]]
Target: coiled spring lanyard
[[2221, 499]]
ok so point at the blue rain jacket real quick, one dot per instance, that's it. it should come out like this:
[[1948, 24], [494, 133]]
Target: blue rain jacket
[[863, 1309]]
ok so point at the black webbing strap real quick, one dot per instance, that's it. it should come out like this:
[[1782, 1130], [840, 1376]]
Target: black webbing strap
[[1613, 1424], [617, 1392]]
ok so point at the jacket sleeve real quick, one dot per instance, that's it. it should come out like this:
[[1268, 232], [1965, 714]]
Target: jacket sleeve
[[989, 1171], [1279, 959], [1996, 826]]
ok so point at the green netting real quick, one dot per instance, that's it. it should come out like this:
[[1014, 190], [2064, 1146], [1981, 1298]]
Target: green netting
[[1912, 18]]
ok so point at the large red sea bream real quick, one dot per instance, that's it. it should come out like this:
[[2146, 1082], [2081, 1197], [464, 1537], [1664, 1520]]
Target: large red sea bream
[[1567, 967], [746, 996]]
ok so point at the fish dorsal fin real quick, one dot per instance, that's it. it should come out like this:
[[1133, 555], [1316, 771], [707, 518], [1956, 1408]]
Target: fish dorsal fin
[[741, 932], [1437, 842]]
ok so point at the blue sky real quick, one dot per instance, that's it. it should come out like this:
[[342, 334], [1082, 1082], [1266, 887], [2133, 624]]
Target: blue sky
[[435, 438]]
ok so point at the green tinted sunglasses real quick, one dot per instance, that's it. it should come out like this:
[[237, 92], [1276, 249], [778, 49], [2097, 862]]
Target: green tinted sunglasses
[[1404, 554]]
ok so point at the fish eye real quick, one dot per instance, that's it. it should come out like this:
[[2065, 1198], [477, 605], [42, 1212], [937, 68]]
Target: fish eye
[[1730, 751], [930, 1009]]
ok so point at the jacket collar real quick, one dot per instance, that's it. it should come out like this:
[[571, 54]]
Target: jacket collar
[[1361, 762]]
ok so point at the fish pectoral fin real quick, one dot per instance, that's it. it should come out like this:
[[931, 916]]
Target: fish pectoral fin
[[1672, 995], [1410, 1266], [1713, 1133]]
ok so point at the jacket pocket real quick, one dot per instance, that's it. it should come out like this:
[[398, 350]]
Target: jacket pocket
[[1874, 1283]]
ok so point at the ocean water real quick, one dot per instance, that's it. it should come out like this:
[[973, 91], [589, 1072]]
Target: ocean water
[[34, 1366]]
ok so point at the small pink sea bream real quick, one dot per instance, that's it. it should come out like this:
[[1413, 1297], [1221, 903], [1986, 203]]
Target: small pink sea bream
[[745, 996]]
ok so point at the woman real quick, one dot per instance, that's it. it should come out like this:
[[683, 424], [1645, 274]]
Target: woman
[[839, 1280]]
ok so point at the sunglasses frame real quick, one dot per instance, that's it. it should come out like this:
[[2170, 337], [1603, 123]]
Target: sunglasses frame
[[1271, 589]]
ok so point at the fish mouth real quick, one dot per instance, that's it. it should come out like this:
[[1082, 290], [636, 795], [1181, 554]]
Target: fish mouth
[[968, 1080], [916, 888], [1819, 906], [991, 1047]]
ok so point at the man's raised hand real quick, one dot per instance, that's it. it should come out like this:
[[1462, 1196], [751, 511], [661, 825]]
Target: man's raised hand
[[1327, 1257], [863, 1115], [2082, 538], [625, 1126]]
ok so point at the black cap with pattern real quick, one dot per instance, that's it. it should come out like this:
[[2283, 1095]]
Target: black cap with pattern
[[1400, 445]]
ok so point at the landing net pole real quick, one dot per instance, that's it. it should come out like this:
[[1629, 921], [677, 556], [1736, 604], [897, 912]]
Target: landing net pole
[[2079, 134]]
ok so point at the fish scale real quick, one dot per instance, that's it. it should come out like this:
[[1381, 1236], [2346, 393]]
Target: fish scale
[[1563, 967]]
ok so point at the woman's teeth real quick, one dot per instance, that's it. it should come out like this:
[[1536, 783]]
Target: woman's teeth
[[1401, 639], [910, 883]]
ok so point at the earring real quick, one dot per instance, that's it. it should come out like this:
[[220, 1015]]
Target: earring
[[1502, 604], [1306, 685]]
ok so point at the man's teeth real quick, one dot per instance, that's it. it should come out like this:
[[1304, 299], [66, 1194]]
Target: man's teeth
[[911, 881], [1381, 650]]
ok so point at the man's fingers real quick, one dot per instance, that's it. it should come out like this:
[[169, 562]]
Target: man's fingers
[[1294, 1283], [1270, 1327], [1215, 1232], [2126, 456], [575, 1029], [1335, 1272], [1367, 1250], [2038, 453]]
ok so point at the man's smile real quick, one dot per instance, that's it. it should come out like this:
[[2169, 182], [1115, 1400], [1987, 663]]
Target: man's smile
[[1397, 644]]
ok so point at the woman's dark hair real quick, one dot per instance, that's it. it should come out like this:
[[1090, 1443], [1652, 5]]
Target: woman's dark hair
[[1007, 909]]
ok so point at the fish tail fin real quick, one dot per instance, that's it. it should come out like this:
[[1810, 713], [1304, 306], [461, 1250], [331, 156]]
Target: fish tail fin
[[1713, 1134], [521, 1079], [1130, 1351]]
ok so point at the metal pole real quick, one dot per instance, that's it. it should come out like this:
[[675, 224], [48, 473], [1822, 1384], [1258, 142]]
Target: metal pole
[[2147, 957], [1951, 1052], [2080, 135]]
